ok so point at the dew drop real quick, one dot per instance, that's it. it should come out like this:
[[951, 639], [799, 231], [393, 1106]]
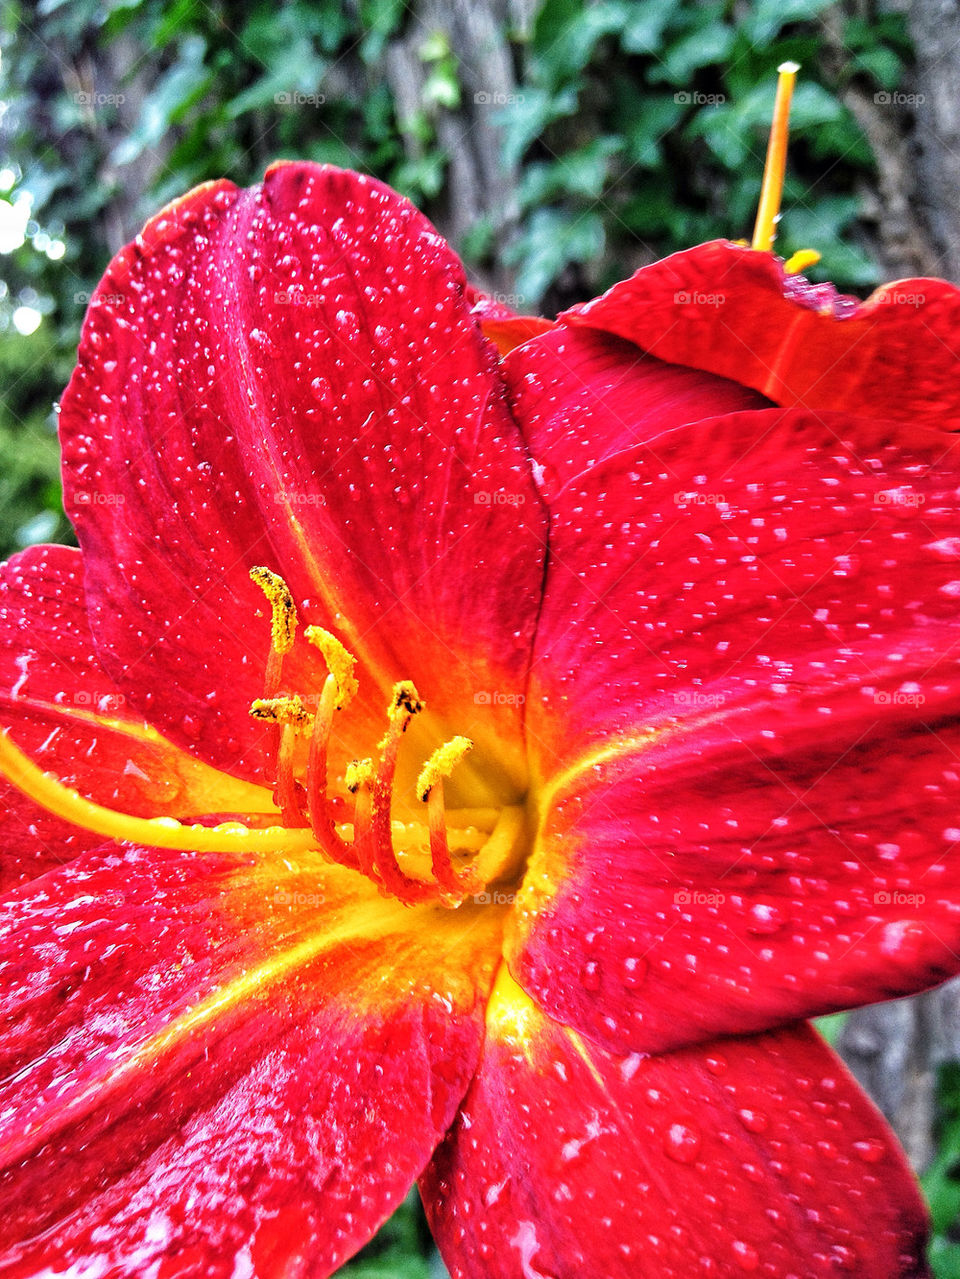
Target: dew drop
[[870, 1150], [682, 1143], [747, 1257]]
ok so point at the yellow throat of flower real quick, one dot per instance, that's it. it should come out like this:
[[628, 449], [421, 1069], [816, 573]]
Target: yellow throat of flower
[[447, 859]]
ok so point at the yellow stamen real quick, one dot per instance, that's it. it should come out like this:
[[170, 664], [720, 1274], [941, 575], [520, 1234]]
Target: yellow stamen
[[154, 832], [775, 166], [456, 883], [340, 662], [800, 261], [441, 764], [281, 710], [284, 620], [359, 772]]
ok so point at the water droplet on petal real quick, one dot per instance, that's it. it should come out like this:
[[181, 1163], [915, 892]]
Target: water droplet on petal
[[682, 1143]]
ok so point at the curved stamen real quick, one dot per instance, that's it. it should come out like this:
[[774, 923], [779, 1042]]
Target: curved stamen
[[455, 884], [321, 816], [339, 688], [404, 704], [293, 719], [357, 779]]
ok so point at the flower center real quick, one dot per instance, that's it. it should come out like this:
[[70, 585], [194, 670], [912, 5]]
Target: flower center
[[447, 858]]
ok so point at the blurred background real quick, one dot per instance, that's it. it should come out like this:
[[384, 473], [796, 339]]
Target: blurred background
[[559, 146]]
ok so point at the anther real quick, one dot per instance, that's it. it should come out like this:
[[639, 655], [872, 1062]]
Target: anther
[[283, 623], [341, 663], [455, 884], [293, 718], [404, 704]]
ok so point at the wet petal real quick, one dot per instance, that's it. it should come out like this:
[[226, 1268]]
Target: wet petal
[[219, 1067], [733, 311], [66, 712], [745, 675], [289, 376], [752, 1156]]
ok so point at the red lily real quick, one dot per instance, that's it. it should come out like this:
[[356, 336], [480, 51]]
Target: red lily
[[681, 659]]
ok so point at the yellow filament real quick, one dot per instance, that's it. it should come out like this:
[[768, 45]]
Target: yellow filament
[[340, 662], [284, 615], [775, 166], [155, 832], [441, 764]]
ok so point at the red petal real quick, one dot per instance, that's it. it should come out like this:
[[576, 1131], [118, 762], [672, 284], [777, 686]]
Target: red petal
[[290, 376], [65, 711], [754, 1156], [744, 712], [218, 1067], [733, 311]]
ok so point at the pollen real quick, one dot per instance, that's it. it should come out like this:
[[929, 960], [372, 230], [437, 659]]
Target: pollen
[[359, 772], [441, 764], [284, 624], [340, 662], [281, 710]]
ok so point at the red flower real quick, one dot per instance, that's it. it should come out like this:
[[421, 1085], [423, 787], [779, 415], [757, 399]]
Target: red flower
[[679, 643]]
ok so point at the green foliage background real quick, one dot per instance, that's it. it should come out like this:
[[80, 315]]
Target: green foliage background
[[637, 127]]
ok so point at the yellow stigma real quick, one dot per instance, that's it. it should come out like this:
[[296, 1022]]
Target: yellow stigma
[[340, 662], [775, 166], [800, 261], [281, 710], [284, 624], [359, 772], [154, 832], [441, 764]]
